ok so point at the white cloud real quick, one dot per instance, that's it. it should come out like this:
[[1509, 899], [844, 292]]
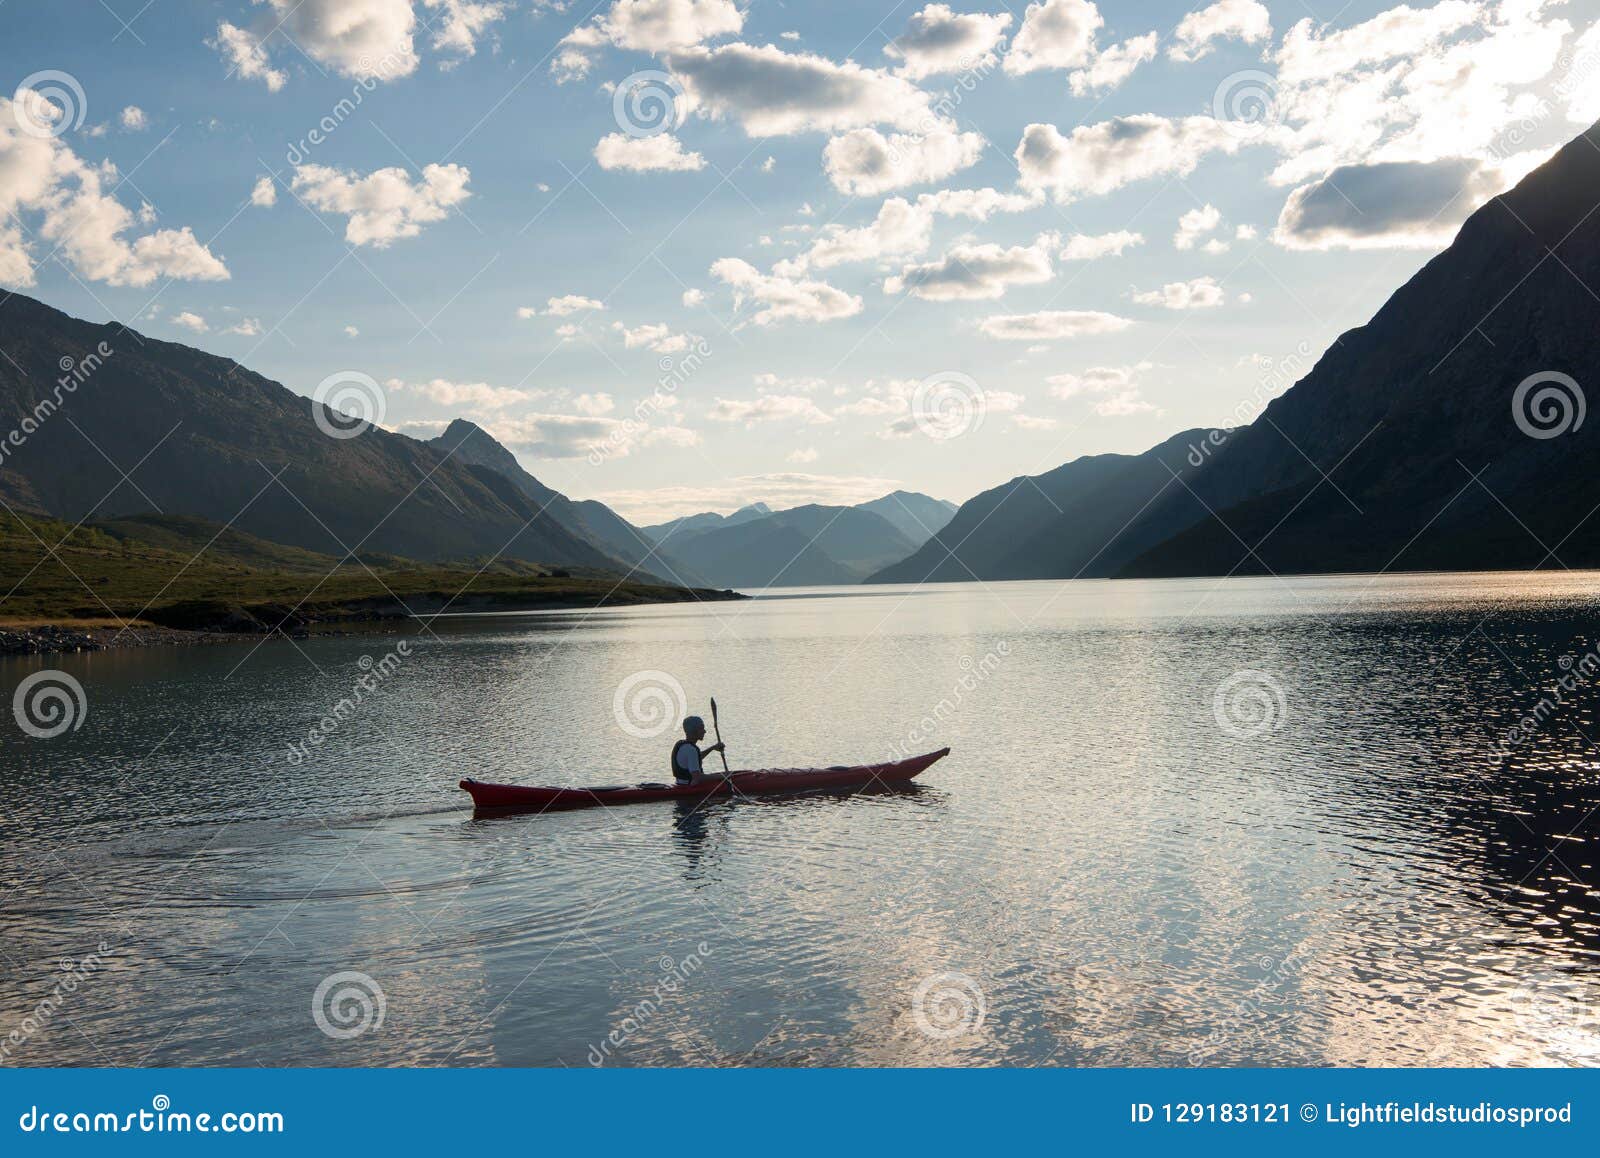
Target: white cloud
[[768, 408], [661, 153], [134, 120], [561, 435], [1103, 157], [1245, 20], [246, 327], [190, 321], [977, 272], [351, 332], [478, 396], [769, 164], [694, 297], [646, 26], [264, 193], [781, 298], [1052, 325], [1054, 34], [246, 56], [464, 22], [939, 40], [1194, 225], [1202, 293], [1091, 247], [654, 336], [1395, 205], [570, 304], [385, 205], [900, 229], [1032, 422], [365, 39], [865, 162], [979, 204], [77, 219], [1097, 380], [802, 456], [772, 93], [594, 404], [1113, 65]]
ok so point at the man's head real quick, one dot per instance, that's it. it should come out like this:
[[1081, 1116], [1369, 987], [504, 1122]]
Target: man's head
[[694, 728]]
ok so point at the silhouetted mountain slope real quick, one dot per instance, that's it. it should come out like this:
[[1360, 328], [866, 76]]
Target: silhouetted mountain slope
[[916, 516], [705, 521], [804, 546], [1411, 415], [589, 519], [201, 435], [1077, 520]]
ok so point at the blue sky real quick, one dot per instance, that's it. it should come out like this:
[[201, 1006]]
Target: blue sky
[[848, 327]]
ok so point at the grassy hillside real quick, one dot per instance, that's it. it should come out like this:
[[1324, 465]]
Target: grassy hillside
[[182, 572]]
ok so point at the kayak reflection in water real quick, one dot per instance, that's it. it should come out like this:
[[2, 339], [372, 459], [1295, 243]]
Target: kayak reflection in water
[[687, 756]]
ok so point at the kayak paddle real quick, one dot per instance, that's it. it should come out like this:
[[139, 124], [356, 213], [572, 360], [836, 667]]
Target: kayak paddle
[[717, 728]]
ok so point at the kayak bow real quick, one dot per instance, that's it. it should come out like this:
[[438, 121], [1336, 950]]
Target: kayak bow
[[756, 782]]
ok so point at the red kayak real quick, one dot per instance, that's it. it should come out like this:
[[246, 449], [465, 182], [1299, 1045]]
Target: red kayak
[[757, 782]]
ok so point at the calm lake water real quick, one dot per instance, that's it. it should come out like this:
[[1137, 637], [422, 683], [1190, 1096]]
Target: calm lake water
[[1255, 821]]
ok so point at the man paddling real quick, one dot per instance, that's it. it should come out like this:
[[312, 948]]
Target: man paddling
[[687, 754]]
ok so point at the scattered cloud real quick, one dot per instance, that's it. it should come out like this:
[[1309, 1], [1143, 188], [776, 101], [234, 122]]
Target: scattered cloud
[[802, 456], [594, 404], [386, 205], [570, 304], [264, 193], [1052, 325], [652, 26], [1194, 225], [938, 40], [133, 119], [652, 336], [1102, 158], [1202, 293], [479, 397], [1092, 247], [77, 219], [976, 272], [190, 321], [1197, 33], [773, 93], [245, 327], [1114, 65], [782, 298], [1398, 205], [463, 23], [246, 56], [768, 408], [661, 153], [864, 162], [779, 491], [1054, 34]]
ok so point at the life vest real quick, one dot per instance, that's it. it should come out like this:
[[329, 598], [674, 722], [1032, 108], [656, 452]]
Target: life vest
[[678, 773]]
